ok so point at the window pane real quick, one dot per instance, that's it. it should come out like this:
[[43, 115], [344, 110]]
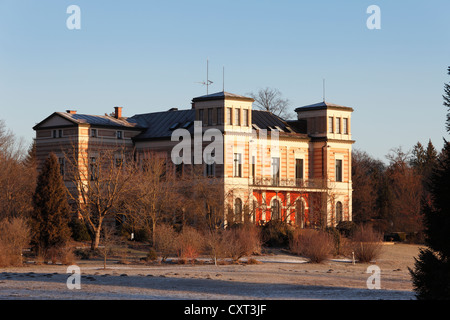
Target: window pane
[[339, 170], [237, 117], [345, 126], [229, 116], [330, 125]]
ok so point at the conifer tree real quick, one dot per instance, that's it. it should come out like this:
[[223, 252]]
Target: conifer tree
[[51, 212], [431, 276]]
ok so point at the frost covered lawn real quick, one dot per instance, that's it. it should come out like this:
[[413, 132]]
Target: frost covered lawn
[[278, 276]]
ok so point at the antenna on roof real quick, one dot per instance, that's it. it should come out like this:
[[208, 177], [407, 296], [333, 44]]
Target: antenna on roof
[[208, 82]]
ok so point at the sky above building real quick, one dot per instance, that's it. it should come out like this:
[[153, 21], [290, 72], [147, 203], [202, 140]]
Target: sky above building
[[149, 56]]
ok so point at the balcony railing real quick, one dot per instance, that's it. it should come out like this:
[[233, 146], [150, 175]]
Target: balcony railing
[[292, 183]]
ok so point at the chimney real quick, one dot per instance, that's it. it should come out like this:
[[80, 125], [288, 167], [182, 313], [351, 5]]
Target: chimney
[[71, 111], [117, 112]]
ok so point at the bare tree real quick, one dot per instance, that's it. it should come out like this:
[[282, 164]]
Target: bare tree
[[269, 99], [153, 196], [99, 183]]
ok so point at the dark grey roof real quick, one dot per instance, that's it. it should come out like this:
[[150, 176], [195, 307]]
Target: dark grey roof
[[268, 121], [221, 95], [161, 124], [323, 105], [99, 120]]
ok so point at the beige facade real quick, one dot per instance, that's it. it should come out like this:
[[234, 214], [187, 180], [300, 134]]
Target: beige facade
[[298, 170]]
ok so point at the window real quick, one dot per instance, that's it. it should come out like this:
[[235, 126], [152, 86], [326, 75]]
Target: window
[[245, 123], [200, 115], [238, 210], [210, 170], [339, 170], [210, 117], [298, 172], [345, 125], [93, 169], [330, 125], [94, 133], [119, 134], [253, 167], [275, 171], [276, 210], [57, 133], [219, 116], [338, 125], [338, 212], [300, 213], [237, 117], [229, 116], [62, 166], [237, 167]]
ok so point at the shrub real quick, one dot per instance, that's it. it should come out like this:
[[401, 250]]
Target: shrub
[[313, 244], [242, 241], [346, 228], [189, 243], [14, 236], [165, 240], [341, 244], [366, 244], [79, 230], [276, 233], [151, 255]]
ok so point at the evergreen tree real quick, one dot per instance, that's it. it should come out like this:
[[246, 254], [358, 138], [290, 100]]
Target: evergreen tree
[[431, 276], [51, 212], [418, 158]]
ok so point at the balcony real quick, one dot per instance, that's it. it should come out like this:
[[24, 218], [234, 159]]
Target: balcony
[[290, 183]]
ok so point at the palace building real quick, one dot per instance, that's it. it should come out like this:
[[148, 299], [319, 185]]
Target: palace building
[[298, 171]]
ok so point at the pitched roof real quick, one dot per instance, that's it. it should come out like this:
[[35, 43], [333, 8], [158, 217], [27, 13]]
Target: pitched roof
[[161, 124], [99, 120], [323, 105], [222, 95]]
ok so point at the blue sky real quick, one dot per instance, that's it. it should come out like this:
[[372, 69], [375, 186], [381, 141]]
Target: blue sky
[[149, 55]]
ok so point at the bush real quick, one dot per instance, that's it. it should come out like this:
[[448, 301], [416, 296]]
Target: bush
[[165, 240], [14, 236], [313, 244], [242, 241], [151, 255], [346, 228], [189, 243], [276, 233], [79, 230], [366, 244]]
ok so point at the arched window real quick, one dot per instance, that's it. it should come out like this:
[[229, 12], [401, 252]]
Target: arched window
[[338, 212], [238, 210], [300, 213], [276, 210]]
